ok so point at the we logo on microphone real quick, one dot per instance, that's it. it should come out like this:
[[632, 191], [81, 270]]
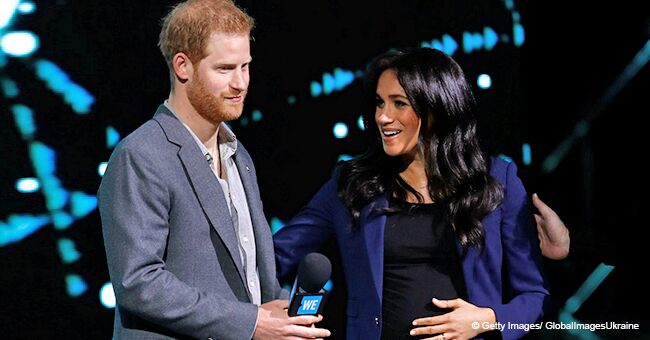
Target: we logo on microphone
[[309, 305]]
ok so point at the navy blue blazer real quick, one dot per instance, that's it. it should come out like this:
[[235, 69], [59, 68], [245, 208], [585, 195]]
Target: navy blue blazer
[[506, 276]]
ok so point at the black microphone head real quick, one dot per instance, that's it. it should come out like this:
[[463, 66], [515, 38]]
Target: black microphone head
[[314, 271]]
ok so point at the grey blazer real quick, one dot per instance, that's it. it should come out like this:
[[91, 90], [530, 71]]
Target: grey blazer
[[171, 247]]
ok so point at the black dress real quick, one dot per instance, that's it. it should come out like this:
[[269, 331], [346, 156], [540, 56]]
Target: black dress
[[420, 262]]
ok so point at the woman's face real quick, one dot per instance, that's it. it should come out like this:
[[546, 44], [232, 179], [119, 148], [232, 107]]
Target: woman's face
[[399, 125]]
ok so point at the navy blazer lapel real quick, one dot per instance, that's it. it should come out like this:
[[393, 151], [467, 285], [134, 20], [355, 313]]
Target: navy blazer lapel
[[205, 185], [373, 225]]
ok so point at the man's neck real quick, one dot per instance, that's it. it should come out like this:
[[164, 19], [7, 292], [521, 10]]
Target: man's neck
[[205, 130]]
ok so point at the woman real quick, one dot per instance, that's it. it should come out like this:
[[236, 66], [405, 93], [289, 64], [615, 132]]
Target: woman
[[423, 214]]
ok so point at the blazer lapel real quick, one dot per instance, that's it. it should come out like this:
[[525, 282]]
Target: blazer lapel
[[261, 229], [205, 185], [373, 225]]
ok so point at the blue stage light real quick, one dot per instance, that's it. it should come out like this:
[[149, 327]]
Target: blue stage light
[[316, 89], [20, 226], [112, 137], [101, 169], [107, 295], [19, 44], [276, 224], [344, 157], [68, 251], [26, 7], [484, 81], [23, 117], [28, 185], [81, 204], [75, 285], [7, 11], [340, 130], [526, 154], [9, 88]]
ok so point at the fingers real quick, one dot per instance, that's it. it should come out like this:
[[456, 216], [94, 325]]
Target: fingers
[[431, 321], [539, 219], [429, 330], [455, 303], [546, 213], [540, 205], [308, 332], [305, 320], [541, 232]]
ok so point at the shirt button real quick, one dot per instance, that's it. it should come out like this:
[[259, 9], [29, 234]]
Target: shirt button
[[245, 239], [251, 283]]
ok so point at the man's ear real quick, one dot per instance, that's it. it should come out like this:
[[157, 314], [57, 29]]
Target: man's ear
[[183, 67]]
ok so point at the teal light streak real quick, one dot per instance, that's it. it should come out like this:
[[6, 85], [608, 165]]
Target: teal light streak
[[24, 119], [276, 224], [518, 34], [112, 137], [82, 204], [18, 227], [62, 220], [9, 88], [59, 82], [315, 89], [75, 285], [526, 154], [68, 251], [344, 157]]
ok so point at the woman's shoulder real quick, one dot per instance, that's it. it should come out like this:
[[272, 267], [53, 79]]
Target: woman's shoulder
[[500, 166]]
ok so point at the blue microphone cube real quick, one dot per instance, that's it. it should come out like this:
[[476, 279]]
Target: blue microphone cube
[[309, 305]]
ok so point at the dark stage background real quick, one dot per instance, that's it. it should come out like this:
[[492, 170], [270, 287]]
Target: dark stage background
[[97, 74]]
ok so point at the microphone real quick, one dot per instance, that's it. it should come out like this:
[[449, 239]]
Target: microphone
[[307, 295]]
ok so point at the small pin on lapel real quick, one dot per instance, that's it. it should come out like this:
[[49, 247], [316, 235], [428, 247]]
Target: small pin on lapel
[[247, 168]]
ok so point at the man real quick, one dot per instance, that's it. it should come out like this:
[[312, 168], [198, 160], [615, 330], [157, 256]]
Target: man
[[188, 247]]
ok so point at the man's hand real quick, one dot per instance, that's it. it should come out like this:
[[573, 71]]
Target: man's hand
[[273, 322]]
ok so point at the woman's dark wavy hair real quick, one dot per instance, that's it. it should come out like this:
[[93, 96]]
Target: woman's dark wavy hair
[[456, 167]]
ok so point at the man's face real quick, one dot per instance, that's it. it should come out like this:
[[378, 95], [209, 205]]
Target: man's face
[[220, 81]]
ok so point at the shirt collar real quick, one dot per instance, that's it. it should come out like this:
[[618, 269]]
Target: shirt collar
[[226, 139]]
